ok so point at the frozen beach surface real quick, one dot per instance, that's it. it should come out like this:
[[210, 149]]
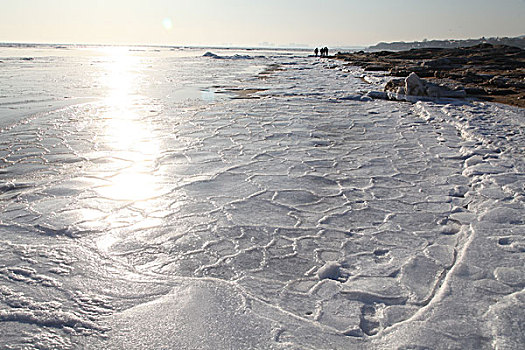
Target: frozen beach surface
[[148, 210]]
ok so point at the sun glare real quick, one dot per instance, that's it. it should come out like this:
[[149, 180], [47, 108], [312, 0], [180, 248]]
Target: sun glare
[[167, 23], [128, 134]]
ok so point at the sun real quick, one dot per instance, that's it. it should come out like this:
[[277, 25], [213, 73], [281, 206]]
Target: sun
[[167, 23]]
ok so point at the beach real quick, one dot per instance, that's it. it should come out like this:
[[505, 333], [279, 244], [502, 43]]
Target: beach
[[252, 199]]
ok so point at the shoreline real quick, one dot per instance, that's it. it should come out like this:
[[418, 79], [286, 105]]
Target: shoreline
[[494, 73]]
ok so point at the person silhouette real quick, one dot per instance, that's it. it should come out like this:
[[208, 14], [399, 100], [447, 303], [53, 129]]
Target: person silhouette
[[316, 51], [326, 51]]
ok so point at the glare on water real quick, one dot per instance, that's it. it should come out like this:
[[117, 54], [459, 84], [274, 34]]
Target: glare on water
[[126, 141], [126, 131]]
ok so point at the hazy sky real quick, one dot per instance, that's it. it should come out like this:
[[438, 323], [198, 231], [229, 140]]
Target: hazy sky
[[252, 22]]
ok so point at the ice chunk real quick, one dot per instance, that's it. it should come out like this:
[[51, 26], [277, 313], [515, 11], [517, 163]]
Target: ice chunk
[[329, 270], [414, 85]]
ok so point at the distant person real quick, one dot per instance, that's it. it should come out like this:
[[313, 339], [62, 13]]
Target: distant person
[[316, 51], [322, 51], [326, 51]]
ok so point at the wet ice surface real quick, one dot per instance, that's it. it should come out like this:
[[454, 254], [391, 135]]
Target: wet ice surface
[[308, 218]]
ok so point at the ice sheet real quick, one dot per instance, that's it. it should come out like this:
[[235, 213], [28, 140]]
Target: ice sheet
[[302, 217]]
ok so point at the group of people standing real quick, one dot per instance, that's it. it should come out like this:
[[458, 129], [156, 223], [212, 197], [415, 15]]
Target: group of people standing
[[323, 51]]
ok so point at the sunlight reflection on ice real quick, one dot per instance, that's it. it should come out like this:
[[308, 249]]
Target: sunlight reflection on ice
[[121, 76], [128, 138]]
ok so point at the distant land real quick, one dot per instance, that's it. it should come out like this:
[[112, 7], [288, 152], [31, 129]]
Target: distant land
[[447, 44]]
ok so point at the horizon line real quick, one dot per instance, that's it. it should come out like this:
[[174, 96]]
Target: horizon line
[[196, 46]]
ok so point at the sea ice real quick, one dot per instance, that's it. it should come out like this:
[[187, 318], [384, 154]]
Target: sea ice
[[311, 217]]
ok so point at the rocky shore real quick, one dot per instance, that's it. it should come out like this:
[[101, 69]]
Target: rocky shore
[[488, 72]]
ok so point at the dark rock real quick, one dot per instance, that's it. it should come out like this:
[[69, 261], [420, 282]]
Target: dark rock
[[499, 81], [475, 91], [491, 72], [502, 92], [441, 63], [399, 72], [375, 68], [394, 84]]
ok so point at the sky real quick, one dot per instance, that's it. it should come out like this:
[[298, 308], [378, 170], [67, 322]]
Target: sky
[[309, 23]]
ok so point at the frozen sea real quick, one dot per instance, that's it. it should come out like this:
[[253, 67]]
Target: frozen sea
[[161, 198]]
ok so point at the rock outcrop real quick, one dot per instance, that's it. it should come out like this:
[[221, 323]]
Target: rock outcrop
[[489, 72]]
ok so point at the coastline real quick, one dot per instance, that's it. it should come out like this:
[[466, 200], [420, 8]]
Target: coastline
[[494, 73]]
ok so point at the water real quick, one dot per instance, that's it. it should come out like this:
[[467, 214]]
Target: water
[[156, 198]]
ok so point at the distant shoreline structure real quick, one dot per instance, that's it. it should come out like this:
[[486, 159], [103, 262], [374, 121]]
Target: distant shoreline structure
[[518, 41]]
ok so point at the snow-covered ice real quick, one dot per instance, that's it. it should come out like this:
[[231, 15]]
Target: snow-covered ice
[[143, 208]]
